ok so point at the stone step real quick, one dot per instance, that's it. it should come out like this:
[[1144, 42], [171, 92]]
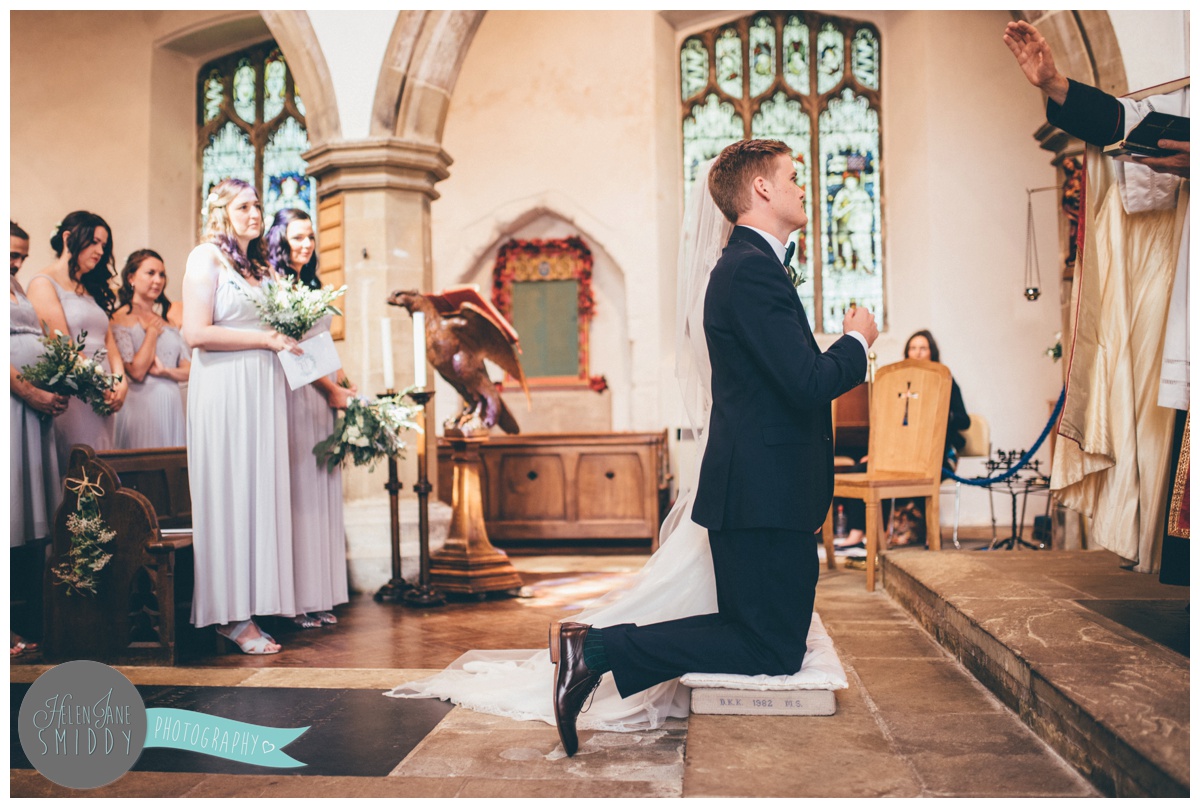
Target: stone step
[[1113, 703]]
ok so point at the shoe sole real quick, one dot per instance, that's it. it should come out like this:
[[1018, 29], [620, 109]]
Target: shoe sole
[[554, 654]]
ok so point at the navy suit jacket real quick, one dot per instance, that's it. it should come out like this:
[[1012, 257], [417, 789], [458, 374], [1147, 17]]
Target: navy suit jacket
[[769, 458]]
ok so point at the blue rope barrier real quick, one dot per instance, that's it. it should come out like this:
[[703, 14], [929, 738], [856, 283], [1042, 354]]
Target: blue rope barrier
[[1025, 458]]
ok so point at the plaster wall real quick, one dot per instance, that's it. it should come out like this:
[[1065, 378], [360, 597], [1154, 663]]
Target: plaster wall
[[78, 137], [956, 216], [558, 125], [108, 124], [1154, 45], [353, 46]]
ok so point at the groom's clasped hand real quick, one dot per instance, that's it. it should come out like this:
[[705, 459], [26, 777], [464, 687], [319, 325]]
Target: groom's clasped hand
[[861, 320]]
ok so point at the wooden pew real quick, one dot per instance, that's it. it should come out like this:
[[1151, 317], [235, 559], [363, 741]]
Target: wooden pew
[[140, 615]]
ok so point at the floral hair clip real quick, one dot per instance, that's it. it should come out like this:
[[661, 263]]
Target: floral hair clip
[[212, 198], [57, 229]]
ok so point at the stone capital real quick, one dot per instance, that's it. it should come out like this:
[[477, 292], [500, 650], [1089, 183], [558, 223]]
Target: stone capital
[[1053, 139], [378, 163]]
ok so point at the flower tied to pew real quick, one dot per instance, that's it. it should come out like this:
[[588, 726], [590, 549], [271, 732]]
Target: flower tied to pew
[[80, 572]]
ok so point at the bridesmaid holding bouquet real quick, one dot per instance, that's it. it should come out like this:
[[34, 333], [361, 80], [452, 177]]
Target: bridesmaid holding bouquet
[[72, 296], [236, 430], [319, 532]]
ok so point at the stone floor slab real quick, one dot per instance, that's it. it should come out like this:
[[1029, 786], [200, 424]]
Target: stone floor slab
[[786, 756], [928, 687], [867, 641]]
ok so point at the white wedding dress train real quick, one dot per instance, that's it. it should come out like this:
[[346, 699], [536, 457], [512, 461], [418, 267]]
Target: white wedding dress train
[[676, 582]]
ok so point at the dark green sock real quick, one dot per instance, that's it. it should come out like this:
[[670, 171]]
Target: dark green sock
[[593, 652]]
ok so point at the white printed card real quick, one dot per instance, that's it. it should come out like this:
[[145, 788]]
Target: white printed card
[[319, 359]]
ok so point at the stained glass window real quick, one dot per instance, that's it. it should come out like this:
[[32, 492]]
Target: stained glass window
[[252, 127], [812, 81]]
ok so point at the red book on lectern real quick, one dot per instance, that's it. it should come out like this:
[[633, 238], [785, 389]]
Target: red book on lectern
[[453, 298]]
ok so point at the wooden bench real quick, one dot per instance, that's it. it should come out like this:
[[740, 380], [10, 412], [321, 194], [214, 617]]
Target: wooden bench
[[142, 609]]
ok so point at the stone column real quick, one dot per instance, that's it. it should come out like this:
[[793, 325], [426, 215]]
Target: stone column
[[386, 185]]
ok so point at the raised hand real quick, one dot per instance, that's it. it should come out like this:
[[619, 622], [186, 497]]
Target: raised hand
[[1036, 60], [1177, 164], [861, 320], [153, 326]]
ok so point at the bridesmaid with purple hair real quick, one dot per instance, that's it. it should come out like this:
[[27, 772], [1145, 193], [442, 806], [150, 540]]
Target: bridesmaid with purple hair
[[318, 528]]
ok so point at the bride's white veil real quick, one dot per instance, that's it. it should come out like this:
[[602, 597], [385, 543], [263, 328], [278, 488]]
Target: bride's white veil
[[677, 581]]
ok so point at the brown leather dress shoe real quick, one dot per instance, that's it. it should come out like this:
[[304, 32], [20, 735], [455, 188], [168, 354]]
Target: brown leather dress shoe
[[573, 681]]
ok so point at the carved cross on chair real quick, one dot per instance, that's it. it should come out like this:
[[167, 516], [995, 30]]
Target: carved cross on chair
[[908, 395]]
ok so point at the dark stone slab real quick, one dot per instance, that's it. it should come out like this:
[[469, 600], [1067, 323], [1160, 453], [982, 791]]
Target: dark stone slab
[[1167, 622]]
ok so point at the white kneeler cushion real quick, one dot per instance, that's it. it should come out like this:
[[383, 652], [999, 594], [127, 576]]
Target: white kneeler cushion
[[809, 691]]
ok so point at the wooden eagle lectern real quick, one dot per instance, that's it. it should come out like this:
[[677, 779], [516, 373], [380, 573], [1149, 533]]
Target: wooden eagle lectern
[[461, 330]]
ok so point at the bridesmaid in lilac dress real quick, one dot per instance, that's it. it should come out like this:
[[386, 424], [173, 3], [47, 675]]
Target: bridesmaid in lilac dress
[[237, 441], [32, 461], [318, 528], [72, 295], [154, 357]]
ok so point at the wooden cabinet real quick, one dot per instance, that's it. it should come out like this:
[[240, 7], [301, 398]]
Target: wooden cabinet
[[563, 488]]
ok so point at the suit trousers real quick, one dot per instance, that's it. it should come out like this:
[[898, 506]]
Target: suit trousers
[[766, 583]]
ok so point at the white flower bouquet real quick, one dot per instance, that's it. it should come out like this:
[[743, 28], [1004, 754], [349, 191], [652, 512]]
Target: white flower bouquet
[[291, 308], [368, 431], [64, 370]]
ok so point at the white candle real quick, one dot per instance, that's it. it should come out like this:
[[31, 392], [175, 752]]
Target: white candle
[[419, 348], [365, 379], [389, 374]]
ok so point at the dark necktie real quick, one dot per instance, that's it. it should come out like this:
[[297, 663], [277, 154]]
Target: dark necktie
[[793, 275]]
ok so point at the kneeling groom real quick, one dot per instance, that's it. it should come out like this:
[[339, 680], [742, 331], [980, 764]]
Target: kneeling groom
[[766, 479]]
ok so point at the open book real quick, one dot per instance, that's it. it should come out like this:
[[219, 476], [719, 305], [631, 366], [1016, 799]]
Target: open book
[[1143, 140], [452, 298]]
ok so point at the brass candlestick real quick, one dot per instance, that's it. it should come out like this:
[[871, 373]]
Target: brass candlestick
[[423, 594], [393, 590]]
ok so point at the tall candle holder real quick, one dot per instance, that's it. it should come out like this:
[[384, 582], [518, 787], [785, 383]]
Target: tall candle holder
[[393, 590], [423, 594]]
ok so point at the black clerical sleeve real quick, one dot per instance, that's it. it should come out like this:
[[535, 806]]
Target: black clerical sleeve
[[1089, 114]]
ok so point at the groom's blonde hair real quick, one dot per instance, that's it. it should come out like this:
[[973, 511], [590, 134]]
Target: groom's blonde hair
[[734, 170]]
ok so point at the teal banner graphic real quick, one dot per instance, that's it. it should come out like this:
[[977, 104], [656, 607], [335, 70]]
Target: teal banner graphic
[[221, 737]]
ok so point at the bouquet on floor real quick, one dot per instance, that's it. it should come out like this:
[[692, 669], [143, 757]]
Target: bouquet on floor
[[88, 535], [291, 308], [369, 430], [64, 370]]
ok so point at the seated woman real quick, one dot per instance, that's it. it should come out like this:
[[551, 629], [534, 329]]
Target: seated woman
[[907, 520], [154, 356]]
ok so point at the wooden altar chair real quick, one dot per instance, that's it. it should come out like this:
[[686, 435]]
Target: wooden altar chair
[[910, 404], [851, 427]]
